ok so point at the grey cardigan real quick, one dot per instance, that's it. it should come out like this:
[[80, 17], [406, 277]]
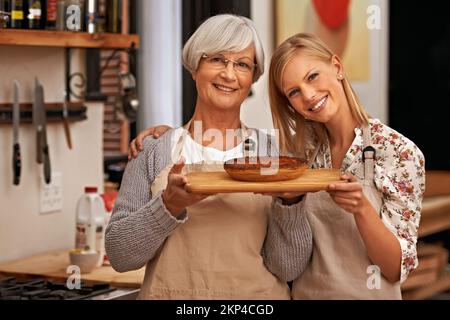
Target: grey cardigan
[[140, 223]]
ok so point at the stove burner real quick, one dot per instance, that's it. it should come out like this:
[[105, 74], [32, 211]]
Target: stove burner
[[40, 289]]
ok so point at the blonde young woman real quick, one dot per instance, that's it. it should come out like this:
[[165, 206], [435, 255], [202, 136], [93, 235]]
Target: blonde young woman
[[199, 246], [364, 231]]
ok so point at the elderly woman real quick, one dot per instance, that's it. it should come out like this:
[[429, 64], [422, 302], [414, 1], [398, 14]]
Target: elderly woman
[[198, 246]]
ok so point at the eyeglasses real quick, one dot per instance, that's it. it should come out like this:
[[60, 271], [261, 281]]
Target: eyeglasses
[[219, 62]]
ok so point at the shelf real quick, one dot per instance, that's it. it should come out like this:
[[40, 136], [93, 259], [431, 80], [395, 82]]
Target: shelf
[[67, 39]]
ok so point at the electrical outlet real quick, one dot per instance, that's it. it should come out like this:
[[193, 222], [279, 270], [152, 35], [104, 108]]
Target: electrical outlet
[[51, 194]]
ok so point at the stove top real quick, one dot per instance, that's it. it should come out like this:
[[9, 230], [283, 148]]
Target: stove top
[[41, 289]]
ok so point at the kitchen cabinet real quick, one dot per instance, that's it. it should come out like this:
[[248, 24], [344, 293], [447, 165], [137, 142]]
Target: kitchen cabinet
[[53, 265]]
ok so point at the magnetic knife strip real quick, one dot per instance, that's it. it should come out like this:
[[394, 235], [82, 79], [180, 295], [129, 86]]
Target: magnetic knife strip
[[54, 111]]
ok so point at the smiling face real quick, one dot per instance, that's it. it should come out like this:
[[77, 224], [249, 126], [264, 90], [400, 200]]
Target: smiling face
[[313, 87], [224, 88]]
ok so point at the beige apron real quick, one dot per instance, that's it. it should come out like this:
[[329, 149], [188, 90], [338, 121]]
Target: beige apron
[[339, 264], [216, 253]]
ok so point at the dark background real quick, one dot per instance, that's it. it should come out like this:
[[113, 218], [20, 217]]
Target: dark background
[[419, 77]]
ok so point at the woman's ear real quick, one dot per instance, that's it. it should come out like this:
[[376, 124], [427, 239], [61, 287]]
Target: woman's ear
[[336, 62], [193, 74]]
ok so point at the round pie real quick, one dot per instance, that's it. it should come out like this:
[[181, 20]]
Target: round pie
[[265, 169]]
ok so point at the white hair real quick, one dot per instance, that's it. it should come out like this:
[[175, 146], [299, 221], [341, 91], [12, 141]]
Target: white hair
[[223, 33]]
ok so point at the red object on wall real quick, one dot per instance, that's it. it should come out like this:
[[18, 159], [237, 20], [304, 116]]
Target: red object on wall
[[332, 13]]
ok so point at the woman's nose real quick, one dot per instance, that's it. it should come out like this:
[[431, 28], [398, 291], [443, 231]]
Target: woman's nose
[[309, 93], [228, 72]]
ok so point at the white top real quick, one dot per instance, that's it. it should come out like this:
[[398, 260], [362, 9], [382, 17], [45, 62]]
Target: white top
[[194, 152]]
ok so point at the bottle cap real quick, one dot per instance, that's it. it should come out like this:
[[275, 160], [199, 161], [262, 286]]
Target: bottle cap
[[90, 189]]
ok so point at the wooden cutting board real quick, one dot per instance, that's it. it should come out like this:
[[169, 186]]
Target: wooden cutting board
[[219, 182]]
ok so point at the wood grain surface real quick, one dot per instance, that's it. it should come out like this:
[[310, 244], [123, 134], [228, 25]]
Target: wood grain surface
[[53, 265], [219, 182]]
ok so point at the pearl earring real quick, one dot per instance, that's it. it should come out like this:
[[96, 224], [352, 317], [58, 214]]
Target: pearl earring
[[340, 76]]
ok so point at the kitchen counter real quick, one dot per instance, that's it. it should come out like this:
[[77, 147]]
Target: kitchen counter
[[53, 265]]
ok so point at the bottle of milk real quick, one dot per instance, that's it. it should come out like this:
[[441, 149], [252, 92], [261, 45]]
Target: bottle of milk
[[90, 222]]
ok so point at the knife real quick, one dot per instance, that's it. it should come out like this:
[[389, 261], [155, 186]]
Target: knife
[[66, 121], [17, 162], [39, 120], [36, 122]]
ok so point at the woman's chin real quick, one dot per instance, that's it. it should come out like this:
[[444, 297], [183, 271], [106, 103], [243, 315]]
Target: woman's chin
[[226, 105]]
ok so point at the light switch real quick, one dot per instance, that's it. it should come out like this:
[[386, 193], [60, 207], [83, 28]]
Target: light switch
[[52, 194]]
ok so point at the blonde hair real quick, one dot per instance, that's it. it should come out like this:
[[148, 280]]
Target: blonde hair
[[285, 117], [223, 33]]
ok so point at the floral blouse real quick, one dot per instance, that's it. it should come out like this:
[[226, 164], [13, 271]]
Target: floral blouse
[[399, 176]]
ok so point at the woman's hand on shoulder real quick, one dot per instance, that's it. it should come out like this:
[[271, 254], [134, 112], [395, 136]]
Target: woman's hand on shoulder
[[136, 145]]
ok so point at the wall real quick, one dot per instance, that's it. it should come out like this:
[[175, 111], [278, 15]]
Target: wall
[[23, 230], [374, 93], [256, 111]]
